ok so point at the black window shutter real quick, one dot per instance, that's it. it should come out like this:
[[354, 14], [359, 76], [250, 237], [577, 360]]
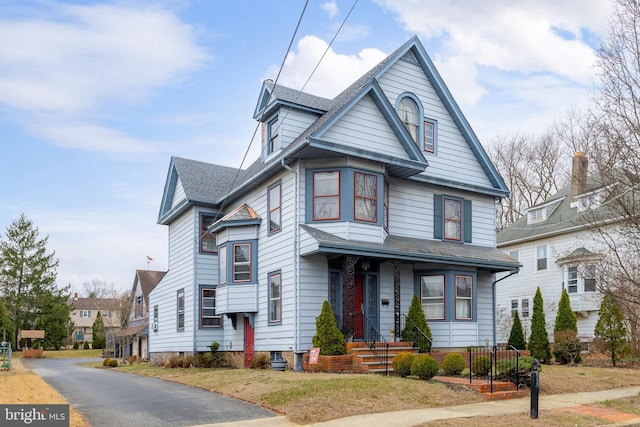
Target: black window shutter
[[437, 216], [466, 212]]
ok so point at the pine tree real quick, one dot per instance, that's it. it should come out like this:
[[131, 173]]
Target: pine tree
[[98, 332], [610, 328], [416, 317], [516, 338], [539, 339], [566, 343], [27, 275], [328, 337]]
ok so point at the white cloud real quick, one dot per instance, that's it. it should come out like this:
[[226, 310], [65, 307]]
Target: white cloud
[[326, 81], [331, 8]]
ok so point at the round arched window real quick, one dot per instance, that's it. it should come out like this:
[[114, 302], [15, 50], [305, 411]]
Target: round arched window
[[408, 112]]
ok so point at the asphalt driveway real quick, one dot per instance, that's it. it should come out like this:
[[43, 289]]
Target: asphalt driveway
[[109, 398]]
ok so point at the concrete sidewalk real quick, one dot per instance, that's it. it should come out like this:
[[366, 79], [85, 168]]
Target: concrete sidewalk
[[495, 408]]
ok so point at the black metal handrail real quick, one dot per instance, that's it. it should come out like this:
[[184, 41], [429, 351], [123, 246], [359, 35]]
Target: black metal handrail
[[494, 362], [377, 343], [418, 337]]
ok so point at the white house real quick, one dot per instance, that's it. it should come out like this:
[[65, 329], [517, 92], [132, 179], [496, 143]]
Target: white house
[[363, 200], [557, 251]]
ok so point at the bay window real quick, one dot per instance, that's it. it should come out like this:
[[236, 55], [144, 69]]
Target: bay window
[[326, 195], [432, 288], [366, 197]]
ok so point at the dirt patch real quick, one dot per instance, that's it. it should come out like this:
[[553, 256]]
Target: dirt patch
[[21, 386]]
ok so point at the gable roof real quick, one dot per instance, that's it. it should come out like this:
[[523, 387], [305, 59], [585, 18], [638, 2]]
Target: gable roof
[[272, 96], [95, 304], [147, 281], [242, 215], [203, 183]]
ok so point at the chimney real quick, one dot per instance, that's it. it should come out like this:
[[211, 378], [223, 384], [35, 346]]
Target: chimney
[[579, 167], [75, 296]]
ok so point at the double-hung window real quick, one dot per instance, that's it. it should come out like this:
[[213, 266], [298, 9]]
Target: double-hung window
[[514, 307], [429, 136], [275, 213], [432, 296], [208, 316], [541, 257], [408, 112], [275, 297], [242, 262], [326, 195], [155, 317], [272, 135], [85, 314], [572, 279], [589, 278], [464, 297], [180, 309], [525, 308], [207, 239], [452, 219], [139, 308], [222, 262], [366, 197]]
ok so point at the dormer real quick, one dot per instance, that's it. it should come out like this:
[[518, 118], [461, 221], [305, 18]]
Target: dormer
[[285, 113], [540, 213]]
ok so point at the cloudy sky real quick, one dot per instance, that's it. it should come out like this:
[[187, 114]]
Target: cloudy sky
[[95, 97]]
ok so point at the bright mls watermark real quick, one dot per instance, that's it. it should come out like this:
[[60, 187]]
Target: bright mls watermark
[[34, 415]]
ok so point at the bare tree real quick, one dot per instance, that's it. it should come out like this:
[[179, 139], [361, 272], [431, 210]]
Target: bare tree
[[533, 168]]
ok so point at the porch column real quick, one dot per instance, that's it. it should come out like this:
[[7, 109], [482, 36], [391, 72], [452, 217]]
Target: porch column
[[348, 269], [396, 298]]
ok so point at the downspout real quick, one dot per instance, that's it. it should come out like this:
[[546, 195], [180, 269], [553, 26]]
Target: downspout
[[297, 364], [493, 288]]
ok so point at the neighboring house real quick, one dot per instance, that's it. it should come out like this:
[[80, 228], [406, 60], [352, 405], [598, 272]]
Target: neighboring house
[[557, 251], [137, 331], [363, 200], [84, 313]]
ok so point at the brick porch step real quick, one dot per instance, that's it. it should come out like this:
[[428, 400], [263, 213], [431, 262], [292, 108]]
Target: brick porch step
[[502, 390], [370, 362]]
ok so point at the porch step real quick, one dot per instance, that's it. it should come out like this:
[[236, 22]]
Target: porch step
[[370, 362]]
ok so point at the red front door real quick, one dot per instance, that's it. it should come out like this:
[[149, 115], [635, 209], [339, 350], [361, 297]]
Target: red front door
[[358, 307], [248, 343]]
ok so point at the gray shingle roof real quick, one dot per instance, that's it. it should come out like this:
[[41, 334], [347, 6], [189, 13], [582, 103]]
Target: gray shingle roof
[[206, 182], [417, 250], [148, 279], [297, 97]]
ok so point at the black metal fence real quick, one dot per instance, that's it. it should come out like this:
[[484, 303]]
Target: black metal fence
[[411, 332], [497, 362]]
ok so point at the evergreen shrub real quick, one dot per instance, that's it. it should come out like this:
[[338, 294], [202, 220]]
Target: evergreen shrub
[[424, 367], [481, 365], [328, 337], [453, 364], [401, 363]]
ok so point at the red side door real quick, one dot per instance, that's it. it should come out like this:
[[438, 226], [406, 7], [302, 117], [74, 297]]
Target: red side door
[[248, 343]]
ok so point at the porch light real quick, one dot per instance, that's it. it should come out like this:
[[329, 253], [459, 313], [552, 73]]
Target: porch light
[[365, 265]]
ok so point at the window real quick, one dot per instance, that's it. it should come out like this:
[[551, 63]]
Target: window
[[275, 297], [326, 195], [572, 279], [105, 313], [429, 136], [85, 314], [207, 239], [155, 317], [366, 197], [180, 309], [514, 307], [139, 306], [274, 199], [525, 308], [452, 219], [515, 255], [385, 205], [208, 316], [242, 262], [537, 215], [222, 261], [408, 112], [464, 297], [272, 135], [541, 257], [432, 288], [589, 278]]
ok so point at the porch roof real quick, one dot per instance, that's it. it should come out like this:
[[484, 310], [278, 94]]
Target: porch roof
[[412, 249]]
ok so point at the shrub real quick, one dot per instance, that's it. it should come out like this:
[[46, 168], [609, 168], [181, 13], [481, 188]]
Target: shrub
[[106, 362], [415, 317], [610, 330], [188, 360], [453, 364], [132, 359], [261, 361], [539, 339], [76, 345], [566, 347], [113, 363], [424, 367], [516, 337], [217, 357], [401, 363], [86, 345], [328, 337], [175, 361], [481, 365], [465, 372]]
